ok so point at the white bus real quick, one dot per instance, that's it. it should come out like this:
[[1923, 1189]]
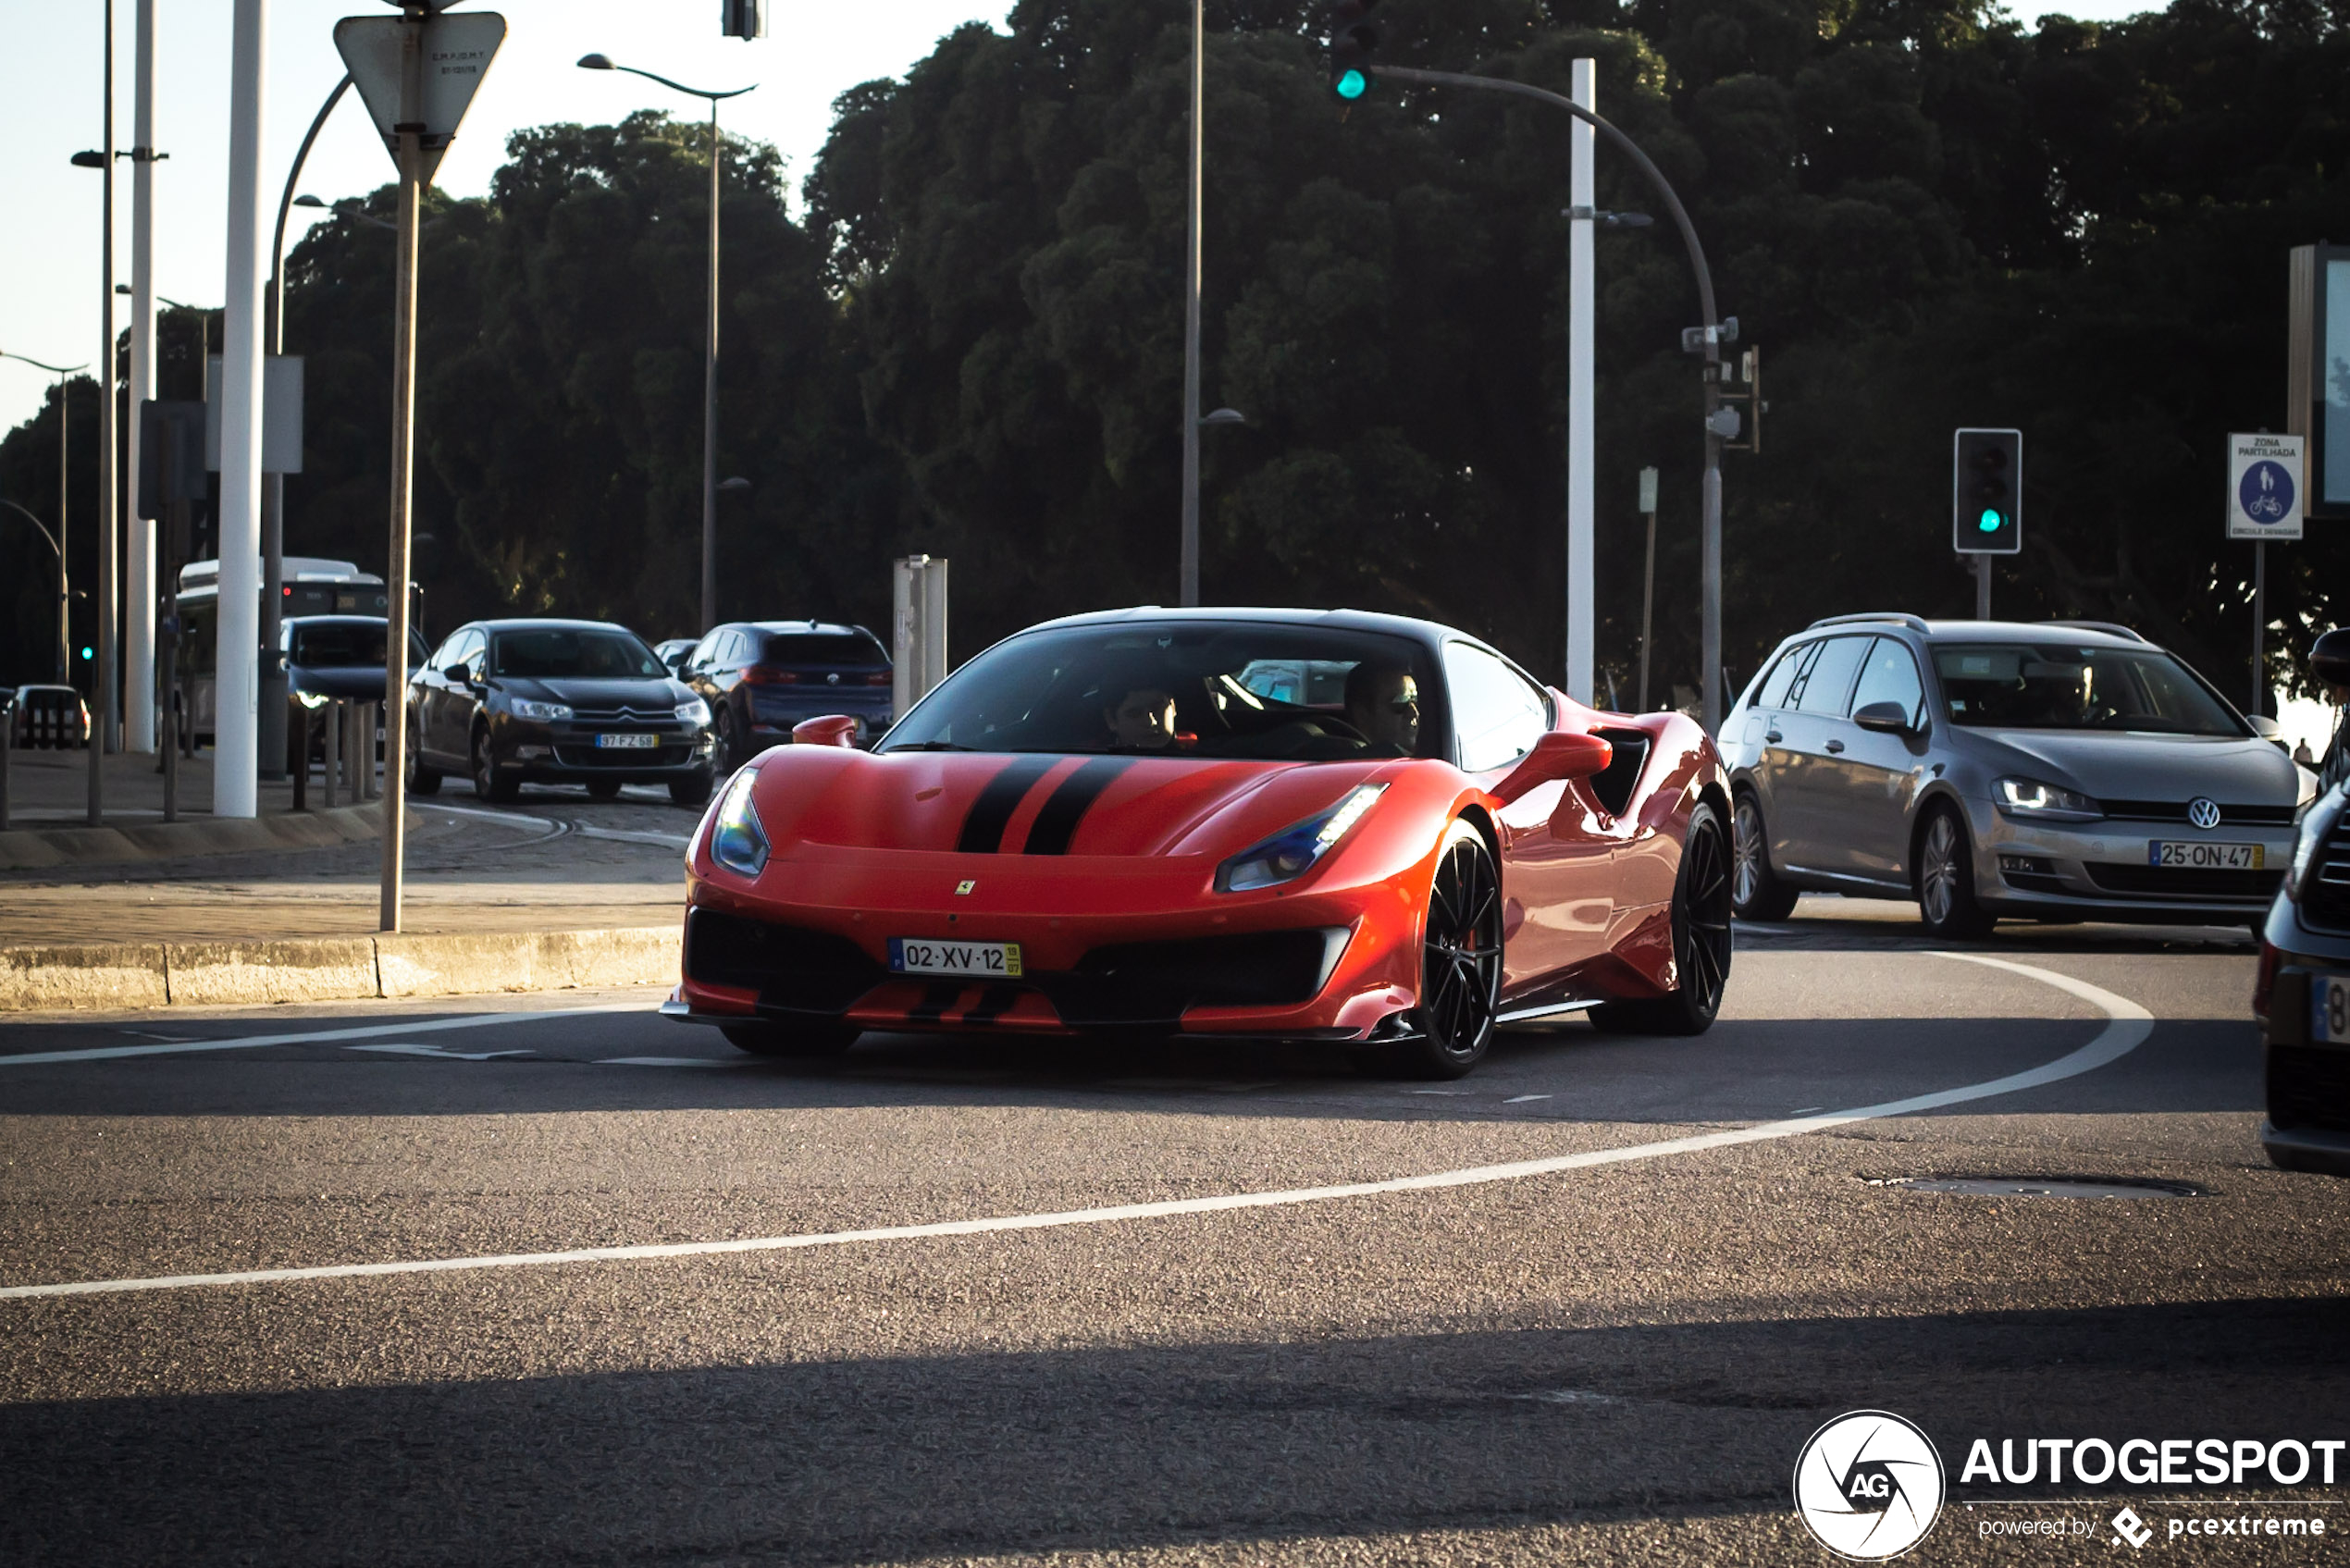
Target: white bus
[[312, 586]]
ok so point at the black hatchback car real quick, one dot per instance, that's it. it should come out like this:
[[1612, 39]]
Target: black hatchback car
[[762, 677], [584, 702]]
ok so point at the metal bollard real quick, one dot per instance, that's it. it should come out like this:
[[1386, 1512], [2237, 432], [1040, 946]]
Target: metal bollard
[[298, 751], [8, 755], [333, 761]]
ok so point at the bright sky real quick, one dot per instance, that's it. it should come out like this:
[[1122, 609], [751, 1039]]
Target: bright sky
[[51, 76]]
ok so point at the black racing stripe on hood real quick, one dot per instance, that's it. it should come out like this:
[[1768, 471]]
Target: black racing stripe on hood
[[991, 812], [1066, 806]]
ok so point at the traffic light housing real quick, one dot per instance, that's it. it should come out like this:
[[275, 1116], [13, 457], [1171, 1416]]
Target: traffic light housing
[[1986, 493], [742, 19], [1351, 40]]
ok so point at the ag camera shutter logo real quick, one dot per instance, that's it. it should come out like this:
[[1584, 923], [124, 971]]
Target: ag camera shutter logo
[[1869, 1485]]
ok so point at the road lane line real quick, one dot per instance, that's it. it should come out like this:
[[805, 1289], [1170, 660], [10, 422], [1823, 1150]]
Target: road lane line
[[2126, 1028], [310, 1037]]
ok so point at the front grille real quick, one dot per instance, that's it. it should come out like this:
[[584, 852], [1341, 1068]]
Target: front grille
[[2309, 1087], [793, 971], [598, 756], [2176, 811], [2188, 886], [2328, 903], [666, 717], [1152, 984]]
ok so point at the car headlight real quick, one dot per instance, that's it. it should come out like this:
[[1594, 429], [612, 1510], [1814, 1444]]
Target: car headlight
[[1294, 851], [694, 711], [2030, 798], [738, 839], [526, 708], [2317, 826]]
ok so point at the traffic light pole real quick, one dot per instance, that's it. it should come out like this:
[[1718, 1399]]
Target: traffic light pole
[[1710, 636], [1983, 587]]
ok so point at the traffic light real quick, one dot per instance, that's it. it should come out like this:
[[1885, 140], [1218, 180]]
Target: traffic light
[[743, 19], [1986, 493], [1351, 40]]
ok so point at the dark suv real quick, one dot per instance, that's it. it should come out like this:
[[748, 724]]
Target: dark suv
[[762, 677], [509, 702]]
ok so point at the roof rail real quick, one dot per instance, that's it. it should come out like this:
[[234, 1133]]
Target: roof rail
[[2112, 628], [1915, 623]]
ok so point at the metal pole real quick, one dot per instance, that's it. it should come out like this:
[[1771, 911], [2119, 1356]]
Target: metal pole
[[1983, 587], [1581, 349], [1648, 613], [1187, 583], [64, 537], [710, 406], [139, 575], [104, 707], [403, 429], [236, 661], [2259, 623], [7, 750]]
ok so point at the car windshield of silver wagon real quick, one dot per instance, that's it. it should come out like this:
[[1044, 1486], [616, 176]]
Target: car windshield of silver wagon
[[1230, 689], [560, 654], [2056, 687]]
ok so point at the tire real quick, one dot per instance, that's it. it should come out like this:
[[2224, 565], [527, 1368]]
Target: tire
[[489, 784], [1945, 879], [1460, 963], [421, 779], [800, 1041], [603, 789], [1703, 944], [724, 760], [1756, 891], [693, 791]]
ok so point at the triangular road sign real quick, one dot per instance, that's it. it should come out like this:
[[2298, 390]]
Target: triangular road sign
[[453, 52]]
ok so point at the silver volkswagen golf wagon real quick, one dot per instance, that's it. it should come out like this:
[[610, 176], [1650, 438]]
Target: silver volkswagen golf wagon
[[2059, 771]]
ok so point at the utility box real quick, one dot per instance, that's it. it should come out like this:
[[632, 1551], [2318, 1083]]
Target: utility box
[[742, 19], [918, 622]]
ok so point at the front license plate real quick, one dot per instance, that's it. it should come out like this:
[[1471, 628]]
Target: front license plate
[[627, 743], [975, 960], [2330, 1008], [2207, 856]]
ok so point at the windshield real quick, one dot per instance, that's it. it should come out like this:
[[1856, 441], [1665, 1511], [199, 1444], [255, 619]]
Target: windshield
[[2056, 686], [1271, 692], [566, 653], [333, 643]]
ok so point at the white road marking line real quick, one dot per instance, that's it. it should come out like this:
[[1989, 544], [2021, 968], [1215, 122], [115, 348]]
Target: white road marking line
[[437, 1052], [1521, 1099], [669, 1062], [2127, 1027], [1807, 1110], [312, 1037], [1443, 1091]]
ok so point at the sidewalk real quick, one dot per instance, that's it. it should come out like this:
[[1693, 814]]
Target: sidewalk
[[49, 823]]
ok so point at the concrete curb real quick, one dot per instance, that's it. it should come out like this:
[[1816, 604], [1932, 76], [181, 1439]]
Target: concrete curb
[[189, 974], [37, 849]]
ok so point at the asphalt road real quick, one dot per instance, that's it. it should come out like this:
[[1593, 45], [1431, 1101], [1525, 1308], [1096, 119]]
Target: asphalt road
[[1615, 1357]]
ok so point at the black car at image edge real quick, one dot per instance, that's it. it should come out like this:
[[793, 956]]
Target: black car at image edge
[[542, 701]]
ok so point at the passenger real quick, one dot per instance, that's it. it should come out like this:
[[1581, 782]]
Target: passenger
[[1143, 718], [1384, 703]]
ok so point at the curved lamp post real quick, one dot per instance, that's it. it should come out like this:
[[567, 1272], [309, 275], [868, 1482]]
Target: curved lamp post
[[58, 540], [709, 348]]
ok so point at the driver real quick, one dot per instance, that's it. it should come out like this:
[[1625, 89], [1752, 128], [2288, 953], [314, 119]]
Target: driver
[[1383, 701], [1143, 718]]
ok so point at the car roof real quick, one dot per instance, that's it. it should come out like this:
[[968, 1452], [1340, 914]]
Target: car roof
[[1343, 620], [2096, 633], [547, 623], [821, 628]]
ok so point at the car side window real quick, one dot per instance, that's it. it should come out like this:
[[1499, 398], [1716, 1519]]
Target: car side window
[[1829, 680], [469, 651], [1891, 675], [697, 657], [1497, 716], [1772, 692], [446, 654]]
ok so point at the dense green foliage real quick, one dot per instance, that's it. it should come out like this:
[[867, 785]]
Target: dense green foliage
[[1925, 217]]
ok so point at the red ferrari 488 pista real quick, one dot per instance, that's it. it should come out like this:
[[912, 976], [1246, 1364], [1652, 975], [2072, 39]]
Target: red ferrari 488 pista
[[1225, 823]]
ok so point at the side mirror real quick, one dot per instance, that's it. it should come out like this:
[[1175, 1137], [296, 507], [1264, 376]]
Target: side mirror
[[459, 675], [1559, 755], [1886, 718], [2329, 658], [832, 729], [2264, 726]]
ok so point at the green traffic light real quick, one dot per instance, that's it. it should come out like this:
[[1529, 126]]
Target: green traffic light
[[1990, 521], [88, 653], [1353, 84]]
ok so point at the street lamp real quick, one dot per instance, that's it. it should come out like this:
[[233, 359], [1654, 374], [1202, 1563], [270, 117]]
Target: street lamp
[[710, 351], [58, 540]]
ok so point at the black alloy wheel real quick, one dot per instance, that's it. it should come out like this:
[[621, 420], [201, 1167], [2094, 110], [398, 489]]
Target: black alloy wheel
[[421, 779], [800, 1041], [1460, 963], [1703, 944], [489, 782], [723, 758], [1756, 891], [693, 789]]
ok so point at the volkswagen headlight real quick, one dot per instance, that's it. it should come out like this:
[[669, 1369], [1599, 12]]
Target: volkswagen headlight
[[1295, 850], [2317, 826], [2030, 798], [526, 708], [738, 839], [694, 711]]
